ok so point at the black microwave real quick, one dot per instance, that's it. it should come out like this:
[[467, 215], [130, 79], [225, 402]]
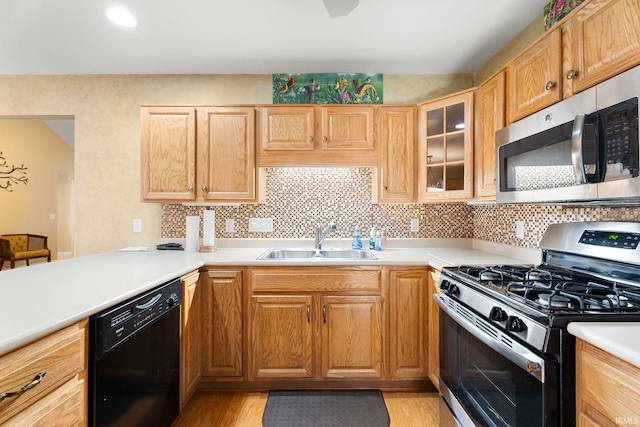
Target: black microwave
[[583, 149]]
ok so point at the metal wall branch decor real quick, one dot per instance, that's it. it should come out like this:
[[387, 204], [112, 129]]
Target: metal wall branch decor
[[327, 88], [10, 175]]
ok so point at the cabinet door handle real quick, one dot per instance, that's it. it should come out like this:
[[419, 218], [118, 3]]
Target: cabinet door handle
[[572, 74], [34, 382], [308, 313], [204, 188], [550, 85], [325, 139], [190, 189], [324, 313], [310, 139]]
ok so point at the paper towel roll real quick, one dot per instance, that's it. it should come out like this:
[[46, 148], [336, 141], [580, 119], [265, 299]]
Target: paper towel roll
[[209, 229], [193, 234]]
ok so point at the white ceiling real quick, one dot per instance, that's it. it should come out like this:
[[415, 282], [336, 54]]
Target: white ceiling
[[257, 36]]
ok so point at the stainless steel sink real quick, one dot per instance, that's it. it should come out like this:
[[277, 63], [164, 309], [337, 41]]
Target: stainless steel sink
[[346, 254]]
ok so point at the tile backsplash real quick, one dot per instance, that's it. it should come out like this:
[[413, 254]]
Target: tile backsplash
[[299, 198]]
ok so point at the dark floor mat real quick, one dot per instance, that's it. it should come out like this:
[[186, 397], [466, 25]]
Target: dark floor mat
[[344, 408]]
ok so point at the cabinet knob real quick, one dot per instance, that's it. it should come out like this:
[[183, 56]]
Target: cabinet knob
[[572, 74], [550, 85], [310, 139], [190, 188], [324, 138], [204, 188]]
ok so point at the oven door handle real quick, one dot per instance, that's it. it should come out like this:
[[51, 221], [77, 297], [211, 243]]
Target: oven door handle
[[576, 149], [497, 341]]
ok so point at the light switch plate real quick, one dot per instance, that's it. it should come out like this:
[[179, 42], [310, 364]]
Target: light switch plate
[[415, 225], [260, 225], [520, 229], [229, 225]]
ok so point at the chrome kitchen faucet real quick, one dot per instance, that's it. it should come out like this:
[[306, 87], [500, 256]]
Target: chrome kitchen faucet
[[320, 236]]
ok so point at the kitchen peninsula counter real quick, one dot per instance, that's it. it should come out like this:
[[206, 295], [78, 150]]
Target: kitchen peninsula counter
[[45, 297], [616, 338]]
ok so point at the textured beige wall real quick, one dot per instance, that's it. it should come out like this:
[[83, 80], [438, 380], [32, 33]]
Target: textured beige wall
[[27, 208], [527, 36], [107, 134]]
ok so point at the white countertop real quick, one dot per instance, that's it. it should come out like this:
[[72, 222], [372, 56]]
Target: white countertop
[[617, 338], [45, 297]]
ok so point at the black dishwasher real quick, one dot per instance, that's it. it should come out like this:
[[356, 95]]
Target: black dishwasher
[[134, 360]]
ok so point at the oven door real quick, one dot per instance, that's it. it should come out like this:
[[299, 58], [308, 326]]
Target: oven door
[[488, 379]]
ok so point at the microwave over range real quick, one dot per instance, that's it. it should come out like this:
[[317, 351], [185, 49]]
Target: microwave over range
[[582, 149]]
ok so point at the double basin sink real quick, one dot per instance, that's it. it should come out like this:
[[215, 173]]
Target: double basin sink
[[287, 254]]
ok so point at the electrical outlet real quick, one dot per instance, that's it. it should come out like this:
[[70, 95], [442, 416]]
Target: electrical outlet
[[229, 225], [137, 225], [260, 225], [415, 225], [52, 216], [520, 229]]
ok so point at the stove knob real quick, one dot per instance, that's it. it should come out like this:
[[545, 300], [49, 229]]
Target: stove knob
[[497, 314], [453, 290], [515, 324], [444, 285]]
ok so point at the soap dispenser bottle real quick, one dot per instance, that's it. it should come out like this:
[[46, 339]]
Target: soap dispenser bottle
[[372, 238], [357, 241], [383, 239]]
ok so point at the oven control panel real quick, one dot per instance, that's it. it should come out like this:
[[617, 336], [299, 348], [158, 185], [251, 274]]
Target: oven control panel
[[610, 239]]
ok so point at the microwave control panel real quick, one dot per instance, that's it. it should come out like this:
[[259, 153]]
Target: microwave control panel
[[621, 140]]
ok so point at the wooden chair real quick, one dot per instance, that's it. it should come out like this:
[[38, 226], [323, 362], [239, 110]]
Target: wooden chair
[[18, 247]]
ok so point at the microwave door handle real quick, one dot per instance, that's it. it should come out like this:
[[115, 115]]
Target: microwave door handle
[[576, 149]]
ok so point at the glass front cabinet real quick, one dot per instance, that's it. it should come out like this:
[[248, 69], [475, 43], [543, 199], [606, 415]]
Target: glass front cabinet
[[445, 149]]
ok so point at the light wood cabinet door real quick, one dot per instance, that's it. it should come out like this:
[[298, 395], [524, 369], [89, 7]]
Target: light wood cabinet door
[[409, 323], [281, 337], [434, 330], [607, 388], [534, 79], [351, 337], [222, 322], [490, 117], [395, 177], [604, 38], [190, 336], [348, 128], [226, 153], [288, 128], [445, 149], [168, 153]]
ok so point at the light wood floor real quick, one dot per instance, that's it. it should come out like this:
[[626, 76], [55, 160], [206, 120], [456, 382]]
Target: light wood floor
[[240, 409]]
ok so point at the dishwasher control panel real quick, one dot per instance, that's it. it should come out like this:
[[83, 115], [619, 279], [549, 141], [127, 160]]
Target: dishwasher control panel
[[114, 325]]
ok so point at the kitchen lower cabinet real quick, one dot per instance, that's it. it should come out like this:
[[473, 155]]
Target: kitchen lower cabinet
[[434, 330], [409, 323], [190, 336], [222, 323], [317, 323], [50, 375], [607, 388]]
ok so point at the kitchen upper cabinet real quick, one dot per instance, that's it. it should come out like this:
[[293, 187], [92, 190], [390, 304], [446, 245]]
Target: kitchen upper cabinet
[[222, 139], [534, 77], [317, 323], [409, 295], [395, 177], [445, 149], [603, 37], [190, 336], [490, 117], [226, 153], [607, 388], [168, 153], [50, 377], [222, 323], [318, 136]]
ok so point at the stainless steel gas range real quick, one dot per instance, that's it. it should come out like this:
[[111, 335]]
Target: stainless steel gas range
[[506, 358]]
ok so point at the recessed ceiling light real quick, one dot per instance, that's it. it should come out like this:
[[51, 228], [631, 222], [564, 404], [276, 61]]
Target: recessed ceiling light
[[120, 16]]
